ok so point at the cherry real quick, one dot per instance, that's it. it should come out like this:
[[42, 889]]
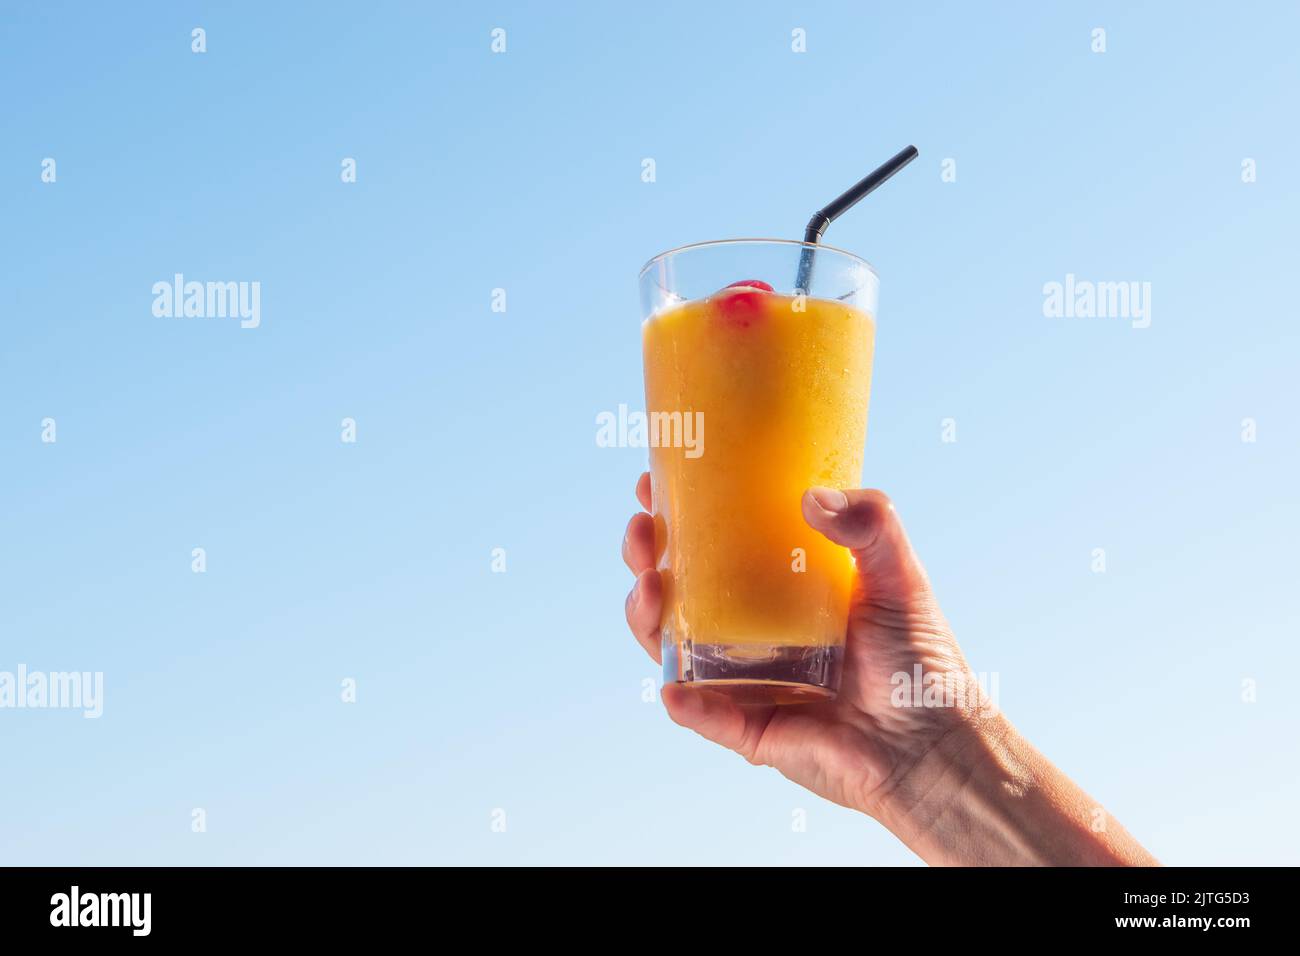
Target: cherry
[[741, 304]]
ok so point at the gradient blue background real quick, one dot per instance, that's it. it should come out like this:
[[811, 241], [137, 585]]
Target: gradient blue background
[[476, 430]]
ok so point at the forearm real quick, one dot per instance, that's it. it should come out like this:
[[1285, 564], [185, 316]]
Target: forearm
[[986, 797]]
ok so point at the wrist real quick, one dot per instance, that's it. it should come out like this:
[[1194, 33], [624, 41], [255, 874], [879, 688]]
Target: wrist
[[983, 796], [928, 794]]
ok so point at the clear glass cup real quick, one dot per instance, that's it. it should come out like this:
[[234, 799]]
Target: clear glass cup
[[754, 393]]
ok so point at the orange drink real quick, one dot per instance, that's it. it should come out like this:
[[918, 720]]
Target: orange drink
[[753, 396]]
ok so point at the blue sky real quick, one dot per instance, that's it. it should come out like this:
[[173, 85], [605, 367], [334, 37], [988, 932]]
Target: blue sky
[[521, 691]]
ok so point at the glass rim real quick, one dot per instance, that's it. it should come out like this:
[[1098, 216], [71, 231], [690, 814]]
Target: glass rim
[[756, 241]]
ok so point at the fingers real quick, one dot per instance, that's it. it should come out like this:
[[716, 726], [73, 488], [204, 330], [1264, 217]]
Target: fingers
[[716, 717], [643, 608], [864, 521], [639, 543], [644, 603]]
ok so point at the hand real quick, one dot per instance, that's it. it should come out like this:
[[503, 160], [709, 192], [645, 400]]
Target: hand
[[856, 749], [954, 782]]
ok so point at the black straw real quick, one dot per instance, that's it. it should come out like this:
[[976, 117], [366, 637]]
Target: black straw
[[842, 204]]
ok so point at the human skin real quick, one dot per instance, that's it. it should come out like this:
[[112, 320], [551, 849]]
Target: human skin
[[957, 784]]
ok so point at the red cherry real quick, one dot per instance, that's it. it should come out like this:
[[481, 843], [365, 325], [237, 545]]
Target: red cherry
[[751, 284], [741, 304]]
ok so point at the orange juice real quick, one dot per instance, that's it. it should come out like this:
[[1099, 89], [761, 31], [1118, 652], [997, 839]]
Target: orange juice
[[779, 386]]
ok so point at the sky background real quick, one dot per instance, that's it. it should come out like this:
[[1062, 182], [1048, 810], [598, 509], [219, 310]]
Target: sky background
[[523, 691]]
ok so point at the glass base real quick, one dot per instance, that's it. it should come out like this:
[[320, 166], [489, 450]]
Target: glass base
[[756, 673]]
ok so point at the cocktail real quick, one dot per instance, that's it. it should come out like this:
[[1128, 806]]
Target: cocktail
[[771, 385], [756, 390]]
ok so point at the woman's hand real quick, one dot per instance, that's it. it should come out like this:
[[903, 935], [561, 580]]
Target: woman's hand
[[953, 781]]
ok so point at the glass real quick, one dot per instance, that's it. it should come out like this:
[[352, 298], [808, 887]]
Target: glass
[[756, 390]]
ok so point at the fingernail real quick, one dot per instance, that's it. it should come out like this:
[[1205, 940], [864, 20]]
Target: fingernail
[[830, 500], [634, 597]]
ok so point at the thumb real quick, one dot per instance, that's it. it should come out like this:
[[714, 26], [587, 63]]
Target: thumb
[[865, 522]]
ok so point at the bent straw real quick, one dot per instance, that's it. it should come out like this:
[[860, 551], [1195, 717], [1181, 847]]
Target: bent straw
[[840, 205]]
